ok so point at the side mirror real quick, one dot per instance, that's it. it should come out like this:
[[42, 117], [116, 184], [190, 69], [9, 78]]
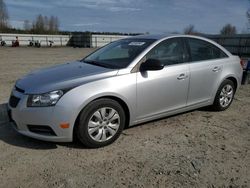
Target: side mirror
[[151, 64]]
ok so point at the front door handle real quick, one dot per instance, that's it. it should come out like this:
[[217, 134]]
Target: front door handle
[[216, 69], [182, 76]]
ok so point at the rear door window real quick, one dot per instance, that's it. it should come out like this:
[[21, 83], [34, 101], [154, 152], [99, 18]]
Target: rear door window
[[202, 50]]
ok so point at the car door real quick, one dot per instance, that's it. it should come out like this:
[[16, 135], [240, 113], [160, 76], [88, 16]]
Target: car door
[[163, 90], [205, 69]]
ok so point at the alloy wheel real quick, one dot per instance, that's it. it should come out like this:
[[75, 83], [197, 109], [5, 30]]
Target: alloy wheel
[[226, 95]]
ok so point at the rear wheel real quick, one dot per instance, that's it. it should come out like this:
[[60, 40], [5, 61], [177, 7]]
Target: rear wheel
[[224, 95], [100, 123]]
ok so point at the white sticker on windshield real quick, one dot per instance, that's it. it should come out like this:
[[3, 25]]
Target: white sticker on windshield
[[136, 43]]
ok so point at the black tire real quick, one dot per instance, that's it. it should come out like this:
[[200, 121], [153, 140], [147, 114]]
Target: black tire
[[81, 130], [217, 106]]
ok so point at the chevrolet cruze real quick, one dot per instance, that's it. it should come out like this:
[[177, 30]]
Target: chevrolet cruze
[[126, 82]]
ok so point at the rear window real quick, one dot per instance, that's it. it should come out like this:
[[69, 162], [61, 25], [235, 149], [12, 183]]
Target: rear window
[[202, 50]]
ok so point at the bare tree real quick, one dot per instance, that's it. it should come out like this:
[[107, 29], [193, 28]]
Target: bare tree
[[46, 23], [248, 20], [40, 26], [3, 16], [228, 29], [43, 25], [56, 28], [53, 24], [190, 30], [26, 25]]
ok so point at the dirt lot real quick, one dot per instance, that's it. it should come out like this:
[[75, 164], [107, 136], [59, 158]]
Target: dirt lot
[[194, 149]]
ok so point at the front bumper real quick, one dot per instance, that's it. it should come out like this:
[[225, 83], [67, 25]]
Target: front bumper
[[24, 117]]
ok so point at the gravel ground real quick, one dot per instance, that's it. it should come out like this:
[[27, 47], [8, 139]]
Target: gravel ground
[[194, 149]]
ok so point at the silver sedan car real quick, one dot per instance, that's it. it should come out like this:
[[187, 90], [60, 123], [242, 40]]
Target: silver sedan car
[[130, 81]]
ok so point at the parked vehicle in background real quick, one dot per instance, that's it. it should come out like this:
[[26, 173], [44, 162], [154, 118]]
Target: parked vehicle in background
[[51, 43], [35, 43], [15, 43], [130, 81], [245, 62], [3, 43]]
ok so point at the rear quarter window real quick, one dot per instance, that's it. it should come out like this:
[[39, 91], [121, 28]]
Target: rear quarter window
[[202, 50]]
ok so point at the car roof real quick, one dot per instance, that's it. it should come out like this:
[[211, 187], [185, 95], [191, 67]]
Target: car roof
[[164, 36], [160, 37], [153, 36]]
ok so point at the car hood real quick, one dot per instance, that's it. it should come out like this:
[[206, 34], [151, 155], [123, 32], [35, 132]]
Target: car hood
[[65, 76]]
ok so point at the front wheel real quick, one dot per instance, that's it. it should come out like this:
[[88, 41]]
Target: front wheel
[[100, 123], [224, 96]]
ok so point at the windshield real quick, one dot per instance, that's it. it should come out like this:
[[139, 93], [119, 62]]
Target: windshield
[[118, 54]]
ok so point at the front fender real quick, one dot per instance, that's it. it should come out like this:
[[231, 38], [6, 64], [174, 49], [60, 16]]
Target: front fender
[[122, 87]]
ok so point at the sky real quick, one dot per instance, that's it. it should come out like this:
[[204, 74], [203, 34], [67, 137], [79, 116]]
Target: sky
[[153, 16]]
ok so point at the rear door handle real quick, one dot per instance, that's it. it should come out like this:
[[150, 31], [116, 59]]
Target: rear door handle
[[182, 76], [216, 69]]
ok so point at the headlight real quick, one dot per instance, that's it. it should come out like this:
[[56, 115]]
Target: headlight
[[46, 99]]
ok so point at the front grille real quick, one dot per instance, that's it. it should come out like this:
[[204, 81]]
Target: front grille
[[41, 129], [19, 89], [13, 102]]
